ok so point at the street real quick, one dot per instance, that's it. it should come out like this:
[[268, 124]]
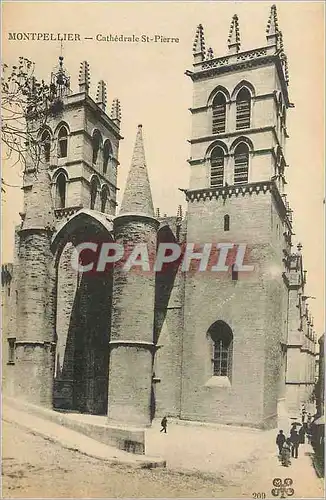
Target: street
[[34, 467]]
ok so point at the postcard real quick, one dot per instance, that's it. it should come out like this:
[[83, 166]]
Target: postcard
[[163, 249]]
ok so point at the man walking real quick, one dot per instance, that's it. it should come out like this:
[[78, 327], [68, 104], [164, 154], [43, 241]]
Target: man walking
[[280, 440], [164, 424], [295, 440]]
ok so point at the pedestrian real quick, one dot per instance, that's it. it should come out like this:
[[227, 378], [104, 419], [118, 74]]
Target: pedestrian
[[294, 438], [164, 423], [305, 420], [286, 453], [301, 435], [280, 440]]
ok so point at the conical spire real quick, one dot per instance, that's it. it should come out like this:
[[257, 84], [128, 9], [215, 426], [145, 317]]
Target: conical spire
[[101, 98], [234, 35], [137, 198], [84, 77], [272, 27], [116, 111], [39, 211], [199, 44]]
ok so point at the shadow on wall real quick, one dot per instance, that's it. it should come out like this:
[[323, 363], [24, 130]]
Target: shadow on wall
[[81, 382]]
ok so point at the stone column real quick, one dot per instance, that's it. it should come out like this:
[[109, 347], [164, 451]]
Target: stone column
[[131, 344]]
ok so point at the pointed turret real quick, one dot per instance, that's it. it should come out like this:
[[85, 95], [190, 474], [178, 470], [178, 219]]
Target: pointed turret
[[234, 36], [116, 111], [39, 211], [137, 198], [199, 45], [272, 27], [132, 320], [84, 77], [101, 99]]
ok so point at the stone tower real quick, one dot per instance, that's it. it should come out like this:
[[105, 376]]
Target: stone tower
[[81, 143], [66, 194], [35, 337], [83, 161], [131, 343], [234, 352]]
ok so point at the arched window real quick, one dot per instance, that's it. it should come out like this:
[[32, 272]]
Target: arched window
[[63, 142], [107, 155], [104, 198], [234, 272], [46, 145], [241, 163], [94, 189], [226, 222], [96, 145], [61, 191], [243, 104], [217, 167], [219, 113], [222, 338]]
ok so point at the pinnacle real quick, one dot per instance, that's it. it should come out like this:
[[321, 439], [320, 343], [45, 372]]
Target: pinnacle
[[234, 35], [137, 198], [199, 42], [39, 211], [210, 53], [272, 24], [84, 76], [116, 110], [101, 98]]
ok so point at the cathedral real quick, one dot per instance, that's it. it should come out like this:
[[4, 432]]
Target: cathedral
[[231, 348]]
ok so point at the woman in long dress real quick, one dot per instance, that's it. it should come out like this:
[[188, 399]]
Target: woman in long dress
[[286, 453]]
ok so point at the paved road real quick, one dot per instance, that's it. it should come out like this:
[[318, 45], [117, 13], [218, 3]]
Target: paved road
[[34, 468]]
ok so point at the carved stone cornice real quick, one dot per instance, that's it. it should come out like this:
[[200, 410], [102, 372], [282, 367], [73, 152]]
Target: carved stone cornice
[[239, 62], [227, 191], [251, 188]]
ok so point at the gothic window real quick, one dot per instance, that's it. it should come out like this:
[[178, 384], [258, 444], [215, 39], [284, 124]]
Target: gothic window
[[61, 191], [234, 272], [96, 145], [243, 105], [104, 198], [219, 113], [107, 155], [226, 222], [217, 167], [11, 351], [94, 190], [222, 349], [241, 163], [63, 142], [46, 145]]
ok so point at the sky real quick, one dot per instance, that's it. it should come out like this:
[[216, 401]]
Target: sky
[[149, 80]]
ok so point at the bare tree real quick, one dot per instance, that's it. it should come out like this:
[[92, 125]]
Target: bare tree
[[26, 106]]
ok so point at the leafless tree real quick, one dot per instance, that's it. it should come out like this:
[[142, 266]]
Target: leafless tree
[[26, 105]]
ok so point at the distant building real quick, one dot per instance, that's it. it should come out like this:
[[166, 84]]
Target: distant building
[[320, 386], [223, 348]]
